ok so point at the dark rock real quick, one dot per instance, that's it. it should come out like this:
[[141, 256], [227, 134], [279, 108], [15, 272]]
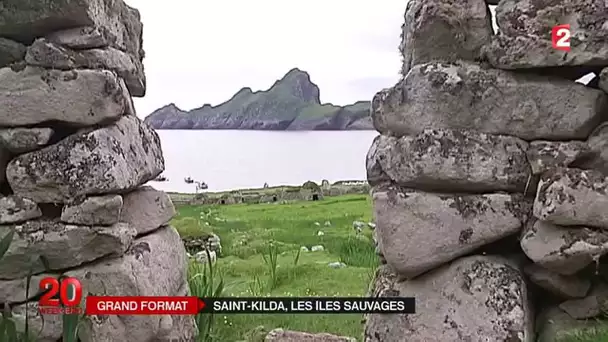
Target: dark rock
[[21, 140], [10, 52]]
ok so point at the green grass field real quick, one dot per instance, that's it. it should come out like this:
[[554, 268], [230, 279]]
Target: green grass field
[[260, 244], [250, 233]]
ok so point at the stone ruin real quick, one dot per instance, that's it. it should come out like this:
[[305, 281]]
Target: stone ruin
[[73, 159], [490, 176]]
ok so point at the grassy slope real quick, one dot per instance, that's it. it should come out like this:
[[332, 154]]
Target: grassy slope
[[245, 231], [594, 334]]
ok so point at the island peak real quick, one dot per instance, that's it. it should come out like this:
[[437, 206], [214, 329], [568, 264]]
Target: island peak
[[291, 103]]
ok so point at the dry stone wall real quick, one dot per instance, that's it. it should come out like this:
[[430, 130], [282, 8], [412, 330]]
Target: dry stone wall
[[490, 176], [74, 158]]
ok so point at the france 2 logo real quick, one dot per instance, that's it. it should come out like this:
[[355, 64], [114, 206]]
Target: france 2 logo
[[560, 37]]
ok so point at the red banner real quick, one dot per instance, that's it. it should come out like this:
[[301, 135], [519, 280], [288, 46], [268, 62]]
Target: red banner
[[105, 305]]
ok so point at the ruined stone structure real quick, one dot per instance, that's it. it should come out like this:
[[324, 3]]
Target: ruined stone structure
[[490, 176], [73, 159]]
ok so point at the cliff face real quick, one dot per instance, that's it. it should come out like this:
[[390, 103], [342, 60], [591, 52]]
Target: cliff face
[[292, 103]]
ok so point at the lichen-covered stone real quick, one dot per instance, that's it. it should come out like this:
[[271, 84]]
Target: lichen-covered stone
[[375, 174], [14, 209], [558, 284], [418, 231], [44, 53], [470, 97], [79, 97], [62, 245], [121, 25], [154, 265], [525, 26], [281, 335], [603, 81], [146, 209], [595, 304], [20, 140], [10, 52], [112, 159], [453, 161], [81, 38], [96, 210], [476, 298], [545, 155], [437, 30], [554, 324], [573, 197], [562, 250], [598, 150]]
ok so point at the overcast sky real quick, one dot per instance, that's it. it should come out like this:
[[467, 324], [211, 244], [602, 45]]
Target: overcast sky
[[200, 51]]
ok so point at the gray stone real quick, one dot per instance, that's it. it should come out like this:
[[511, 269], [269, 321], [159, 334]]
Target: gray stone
[[454, 161], [146, 209], [280, 335], [573, 197], [202, 257], [545, 155], [112, 159], [96, 210], [317, 248], [375, 174], [437, 30], [595, 304], [469, 97], [553, 324], [598, 147], [81, 38], [20, 140], [419, 231], [62, 245], [10, 52], [15, 209], [558, 284], [119, 23], [44, 53], [12, 291], [456, 302], [524, 39], [79, 97], [603, 83], [560, 249], [154, 265]]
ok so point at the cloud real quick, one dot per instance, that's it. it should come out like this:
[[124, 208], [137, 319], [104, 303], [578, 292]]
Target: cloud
[[204, 51]]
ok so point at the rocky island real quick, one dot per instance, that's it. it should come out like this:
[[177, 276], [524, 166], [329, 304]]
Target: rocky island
[[292, 103]]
